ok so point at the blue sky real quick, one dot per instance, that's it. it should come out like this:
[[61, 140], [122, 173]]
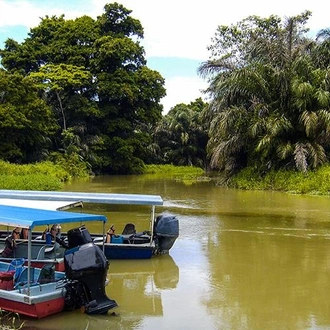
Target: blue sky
[[176, 32]]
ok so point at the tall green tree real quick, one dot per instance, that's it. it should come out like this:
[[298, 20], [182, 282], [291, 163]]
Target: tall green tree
[[27, 124], [269, 105], [110, 109], [52, 78]]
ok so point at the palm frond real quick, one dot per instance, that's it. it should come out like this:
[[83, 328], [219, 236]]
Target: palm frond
[[215, 66], [309, 119], [278, 125], [284, 150], [324, 117], [264, 142], [323, 98], [300, 157], [316, 154], [225, 150]]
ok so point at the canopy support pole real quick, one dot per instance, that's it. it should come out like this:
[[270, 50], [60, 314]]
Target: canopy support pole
[[29, 259]]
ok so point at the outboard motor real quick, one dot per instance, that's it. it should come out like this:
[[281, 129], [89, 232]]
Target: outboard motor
[[86, 266], [166, 231]]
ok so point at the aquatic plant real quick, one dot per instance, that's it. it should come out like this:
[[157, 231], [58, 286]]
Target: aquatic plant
[[10, 321]]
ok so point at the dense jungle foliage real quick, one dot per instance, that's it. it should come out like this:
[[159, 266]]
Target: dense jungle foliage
[[270, 87], [79, 92]]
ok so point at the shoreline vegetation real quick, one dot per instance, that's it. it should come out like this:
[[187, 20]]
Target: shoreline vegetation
[[316, 182], [39, 176], [50, 176]]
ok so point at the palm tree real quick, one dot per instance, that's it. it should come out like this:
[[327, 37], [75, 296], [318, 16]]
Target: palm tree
[[270, 102], [181, 135], [321, 54]]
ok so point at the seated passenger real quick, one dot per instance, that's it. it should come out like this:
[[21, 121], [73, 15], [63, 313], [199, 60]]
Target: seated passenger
[[110, 233], [24, 233], [10, 243], [54, 231]]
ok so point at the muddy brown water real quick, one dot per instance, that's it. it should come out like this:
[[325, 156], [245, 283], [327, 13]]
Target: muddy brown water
[[244, 260]]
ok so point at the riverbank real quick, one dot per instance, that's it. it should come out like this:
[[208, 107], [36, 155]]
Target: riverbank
[[39, 176], [311, 183], [49, 176]]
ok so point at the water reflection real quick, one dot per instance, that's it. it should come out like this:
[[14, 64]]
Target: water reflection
[[268, 278], [148, 277]]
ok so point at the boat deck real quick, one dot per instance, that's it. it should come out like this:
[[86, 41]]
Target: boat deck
[[20, 274]]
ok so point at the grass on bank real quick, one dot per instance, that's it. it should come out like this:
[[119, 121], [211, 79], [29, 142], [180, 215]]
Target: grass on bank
[[49, 176], [313, 182], [40, 176], [188, 175], [171, 170]]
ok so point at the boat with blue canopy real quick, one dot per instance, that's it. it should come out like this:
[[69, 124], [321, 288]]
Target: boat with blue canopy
[[43, 251], [22, 288]]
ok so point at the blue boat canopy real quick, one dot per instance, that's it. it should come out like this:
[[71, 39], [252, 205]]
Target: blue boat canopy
[[86, 197], [29, 218], [38, 204]]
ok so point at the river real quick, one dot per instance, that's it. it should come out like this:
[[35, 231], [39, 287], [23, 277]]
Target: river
[[243, 260]]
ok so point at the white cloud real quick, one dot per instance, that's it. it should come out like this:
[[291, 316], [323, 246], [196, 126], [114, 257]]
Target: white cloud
[[183, 90], [184, 28], [29, 12], [176, 28], [173, 28]]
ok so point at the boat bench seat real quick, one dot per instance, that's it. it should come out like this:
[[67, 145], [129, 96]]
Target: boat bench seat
[[136, 239], [37, 251], [129, 229], [38, 276], [44, 250], [98, 240], [34, 275]]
